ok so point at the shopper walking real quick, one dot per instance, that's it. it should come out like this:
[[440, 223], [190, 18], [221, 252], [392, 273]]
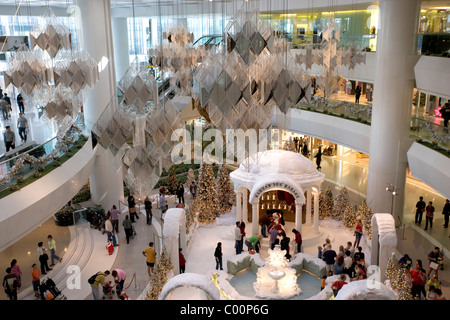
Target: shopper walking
[[20, 103], [35, 279], [318, 157], [4, 108], [182, 260], [43, 258], [238, 238], [132, 207], [180, 193], [16, 270], [358, 233], [357, 93], [418, 279], [150, 258], [52, 248], [115, 213], [420, 208], [218, 256], [193, 189], [22, 127], [128, 228], [10, 284], [109, 229], [298, 240], [429, 215], [9, 138], [162, 204], [433, 261], [148, 210], [446, 212]]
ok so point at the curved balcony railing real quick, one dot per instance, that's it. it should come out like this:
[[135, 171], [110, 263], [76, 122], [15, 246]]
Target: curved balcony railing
[[430, 134], [363, 42], [344, 109], [24, 168]]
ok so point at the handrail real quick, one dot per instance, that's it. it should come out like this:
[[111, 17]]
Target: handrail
[[21, 154]]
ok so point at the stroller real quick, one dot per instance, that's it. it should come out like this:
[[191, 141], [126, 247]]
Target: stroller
[[108, 290], [133, 232], [49, 291]]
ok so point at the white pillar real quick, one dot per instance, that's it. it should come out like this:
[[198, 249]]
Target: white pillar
[[393, 91], [316, 210], [239, 205], [245, 205], [308, 206], [96, 38], [121, 48], [298, 216], [255, 219]]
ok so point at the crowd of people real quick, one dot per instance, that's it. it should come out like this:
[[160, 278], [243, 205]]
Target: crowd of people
[[12, 281], [9, 135], [428, 209], [424, 283]]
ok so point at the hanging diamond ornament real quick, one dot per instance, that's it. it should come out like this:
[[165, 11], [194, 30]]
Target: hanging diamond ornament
[[51, 37], [27, 71], [140, 90]]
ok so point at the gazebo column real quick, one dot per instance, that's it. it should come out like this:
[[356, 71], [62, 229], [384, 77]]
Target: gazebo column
[[316, 210], [298, 216], [255, 215], [245, 205], [308, 206], [239, 205]]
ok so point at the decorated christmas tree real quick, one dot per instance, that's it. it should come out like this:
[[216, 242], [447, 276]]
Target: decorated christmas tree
[[206, 203], [190, 218], [328, 202], [322, 209], [392, 271], [404, 285], [365, 213], [159, 276], [172, 182], [349, 217], [225, 190], [341, 203]]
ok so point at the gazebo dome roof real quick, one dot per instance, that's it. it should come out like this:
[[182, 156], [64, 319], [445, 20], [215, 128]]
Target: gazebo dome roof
[[278, 162], [276, 166]]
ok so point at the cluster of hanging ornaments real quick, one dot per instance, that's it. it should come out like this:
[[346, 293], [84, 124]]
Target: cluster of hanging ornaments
[[46, 72]]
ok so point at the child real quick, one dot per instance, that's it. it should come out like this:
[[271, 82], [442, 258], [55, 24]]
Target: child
[[110, 247], [322, 283], [319, 252], [108, 289]]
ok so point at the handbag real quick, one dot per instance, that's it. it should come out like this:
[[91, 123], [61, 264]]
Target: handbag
[[433, 265], [132, 209]]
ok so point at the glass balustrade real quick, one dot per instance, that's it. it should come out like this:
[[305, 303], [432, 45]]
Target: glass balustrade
[[344, 109], [431, 134], [27, 165]]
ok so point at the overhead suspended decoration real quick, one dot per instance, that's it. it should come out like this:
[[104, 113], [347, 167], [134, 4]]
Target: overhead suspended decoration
[[52, 36]]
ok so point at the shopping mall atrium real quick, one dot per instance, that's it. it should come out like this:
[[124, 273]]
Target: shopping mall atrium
[[319, 118]]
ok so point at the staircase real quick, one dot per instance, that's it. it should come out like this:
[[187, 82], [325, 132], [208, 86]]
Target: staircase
[[78, 253]]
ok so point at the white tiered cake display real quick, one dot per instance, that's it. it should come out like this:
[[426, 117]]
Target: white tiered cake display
[[276, 280]]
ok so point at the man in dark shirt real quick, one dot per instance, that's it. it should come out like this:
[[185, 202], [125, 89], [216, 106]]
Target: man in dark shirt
[[328, 256], [420, 208], [446, 212]]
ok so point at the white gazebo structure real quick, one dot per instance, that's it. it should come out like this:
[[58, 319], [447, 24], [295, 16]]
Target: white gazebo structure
[[277, 170]]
